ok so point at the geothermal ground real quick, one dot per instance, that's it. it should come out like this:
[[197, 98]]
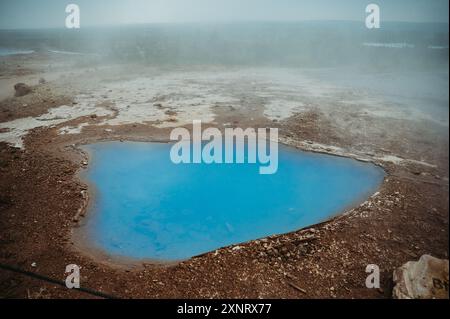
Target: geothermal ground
[[42, 200]]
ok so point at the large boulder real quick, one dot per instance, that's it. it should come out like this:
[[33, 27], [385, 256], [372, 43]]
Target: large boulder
[[22, 89], [423, 279]]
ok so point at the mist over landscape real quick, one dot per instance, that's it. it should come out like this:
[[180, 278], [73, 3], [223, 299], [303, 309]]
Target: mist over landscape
[[296, 44], [305, 33], [88, 112]]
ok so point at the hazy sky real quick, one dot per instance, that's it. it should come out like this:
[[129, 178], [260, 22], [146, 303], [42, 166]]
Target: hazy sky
[[51, 13]]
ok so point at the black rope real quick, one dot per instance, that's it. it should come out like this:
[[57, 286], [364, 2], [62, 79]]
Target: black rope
[[55, 281]]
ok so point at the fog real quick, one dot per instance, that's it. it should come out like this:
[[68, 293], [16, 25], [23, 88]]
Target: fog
[[303, 33], [329, 38], [51, 13], [293, 44]]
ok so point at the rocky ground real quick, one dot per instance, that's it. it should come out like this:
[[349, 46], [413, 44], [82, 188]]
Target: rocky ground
[[41, 195]]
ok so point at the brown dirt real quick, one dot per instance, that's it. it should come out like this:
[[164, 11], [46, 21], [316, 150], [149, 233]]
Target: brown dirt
[[40, 196], [32, 104]]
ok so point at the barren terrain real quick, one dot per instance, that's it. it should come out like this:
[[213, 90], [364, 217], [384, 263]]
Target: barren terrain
[[42, 198]]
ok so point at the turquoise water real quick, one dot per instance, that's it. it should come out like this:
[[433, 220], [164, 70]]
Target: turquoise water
[[146, 207]]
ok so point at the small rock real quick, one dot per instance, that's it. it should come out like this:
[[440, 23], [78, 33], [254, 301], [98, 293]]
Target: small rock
[[22, 89], [171, 113], [423, 279], [42, 81], [33, 264]]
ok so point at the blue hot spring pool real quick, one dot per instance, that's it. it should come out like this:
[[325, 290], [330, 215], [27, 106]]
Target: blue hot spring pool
[[146, 207]]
